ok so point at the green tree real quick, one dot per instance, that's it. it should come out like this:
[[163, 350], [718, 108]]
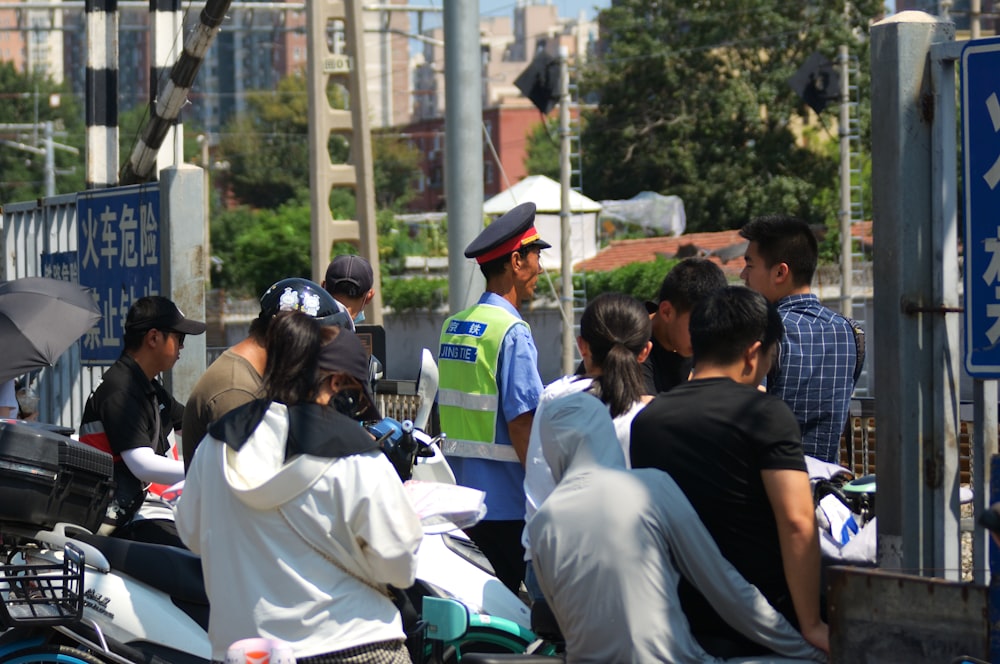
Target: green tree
[[22, 173], [268, 150], [543, 149], [397, 163], [695, 102]]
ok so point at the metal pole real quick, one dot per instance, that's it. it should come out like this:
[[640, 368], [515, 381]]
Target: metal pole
[[50, 162], [910, 463], [975, 18], [984, 448], [102, 93], [846, 268], [463, 145], [565, 232]]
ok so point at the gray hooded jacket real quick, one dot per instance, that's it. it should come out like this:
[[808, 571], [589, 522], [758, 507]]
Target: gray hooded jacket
[[611, 544]]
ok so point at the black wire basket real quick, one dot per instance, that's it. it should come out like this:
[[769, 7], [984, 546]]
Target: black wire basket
[[43, 594]]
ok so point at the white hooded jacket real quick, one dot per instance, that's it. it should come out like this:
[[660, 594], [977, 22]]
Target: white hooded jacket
[[610, 546], [248, 511]]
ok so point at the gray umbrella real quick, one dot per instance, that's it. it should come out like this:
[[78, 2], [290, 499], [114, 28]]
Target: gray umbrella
[[39, 319]]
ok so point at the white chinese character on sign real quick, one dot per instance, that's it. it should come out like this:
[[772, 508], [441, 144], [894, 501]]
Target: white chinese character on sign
[[47, 271], [992, 176], [148, 250], [109, 239], [991, 276], [128, 225], [90, 232], [453, 327], [108, 339], [475, 329]]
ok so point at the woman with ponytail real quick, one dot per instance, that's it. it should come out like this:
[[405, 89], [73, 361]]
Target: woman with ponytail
[[614, 341]]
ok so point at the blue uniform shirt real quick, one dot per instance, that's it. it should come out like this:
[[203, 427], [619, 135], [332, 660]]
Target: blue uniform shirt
[[520, 388]]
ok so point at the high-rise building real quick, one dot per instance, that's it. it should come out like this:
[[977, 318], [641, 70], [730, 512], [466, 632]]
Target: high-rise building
[[958, 11], [508, 46]]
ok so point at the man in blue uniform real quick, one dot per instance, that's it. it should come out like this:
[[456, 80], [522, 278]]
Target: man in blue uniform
[[489, 386]]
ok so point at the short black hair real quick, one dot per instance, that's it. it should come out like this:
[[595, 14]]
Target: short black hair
[[689, 282], [728, 321], [784, 239], [495, 267]]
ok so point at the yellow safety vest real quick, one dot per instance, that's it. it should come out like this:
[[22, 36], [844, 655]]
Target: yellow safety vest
[[468, 396]]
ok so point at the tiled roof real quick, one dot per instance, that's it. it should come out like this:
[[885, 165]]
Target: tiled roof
[[725, 248], [623, 252]]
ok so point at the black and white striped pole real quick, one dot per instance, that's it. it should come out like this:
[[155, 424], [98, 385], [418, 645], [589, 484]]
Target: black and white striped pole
[[102, 93], [167, 21], [173, 96]]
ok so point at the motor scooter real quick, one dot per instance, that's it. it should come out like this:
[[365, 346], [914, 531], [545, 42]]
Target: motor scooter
[[146, 603]]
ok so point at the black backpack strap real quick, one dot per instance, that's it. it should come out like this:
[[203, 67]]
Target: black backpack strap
[[859, 347]]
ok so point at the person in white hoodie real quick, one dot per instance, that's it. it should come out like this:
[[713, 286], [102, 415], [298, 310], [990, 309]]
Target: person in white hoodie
[[300, 520], [610, 546]]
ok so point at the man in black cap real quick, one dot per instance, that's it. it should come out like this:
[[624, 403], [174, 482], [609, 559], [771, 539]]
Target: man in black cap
[[349, 279], [489, 386], [130, 414]]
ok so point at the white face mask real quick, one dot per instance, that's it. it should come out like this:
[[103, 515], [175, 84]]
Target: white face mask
[[360, 318]]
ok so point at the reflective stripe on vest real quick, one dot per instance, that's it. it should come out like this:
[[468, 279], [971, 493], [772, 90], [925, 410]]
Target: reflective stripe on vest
[[466, 401], [468, 396], [92, 433], [474, 450]]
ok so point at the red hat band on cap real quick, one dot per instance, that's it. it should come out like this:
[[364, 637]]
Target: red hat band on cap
[[510, 246]]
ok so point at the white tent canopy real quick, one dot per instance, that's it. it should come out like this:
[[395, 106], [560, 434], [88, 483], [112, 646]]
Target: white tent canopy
[[546, 194], [541, 190]]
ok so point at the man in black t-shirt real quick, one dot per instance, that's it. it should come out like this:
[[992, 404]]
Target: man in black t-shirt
[[669, 361], [736, 452]]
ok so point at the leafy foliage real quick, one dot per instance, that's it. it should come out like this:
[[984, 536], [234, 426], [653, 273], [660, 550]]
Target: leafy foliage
[[543, 149], [268, 147], [641, 280], [397, 163], [22, 173], [414, 294], [695, 102]]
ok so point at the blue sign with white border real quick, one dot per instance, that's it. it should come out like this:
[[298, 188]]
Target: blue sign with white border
[[119, 256], [981, 173]]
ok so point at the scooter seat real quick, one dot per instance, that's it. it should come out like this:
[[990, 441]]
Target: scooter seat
[[172, 570]]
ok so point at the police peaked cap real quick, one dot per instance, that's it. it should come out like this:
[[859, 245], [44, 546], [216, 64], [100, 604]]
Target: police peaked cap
[[511, 232]]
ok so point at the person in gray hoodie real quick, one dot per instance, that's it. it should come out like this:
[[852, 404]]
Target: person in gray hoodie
[[610, 546]]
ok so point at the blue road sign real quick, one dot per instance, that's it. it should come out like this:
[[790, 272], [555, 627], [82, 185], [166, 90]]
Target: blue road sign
[[981, 168], [119, 255]]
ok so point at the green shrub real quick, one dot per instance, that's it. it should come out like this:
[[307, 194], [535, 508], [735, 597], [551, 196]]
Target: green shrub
[[640, 280], [414, 294]]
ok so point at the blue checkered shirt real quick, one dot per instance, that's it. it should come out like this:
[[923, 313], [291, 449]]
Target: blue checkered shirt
[[814, 372]]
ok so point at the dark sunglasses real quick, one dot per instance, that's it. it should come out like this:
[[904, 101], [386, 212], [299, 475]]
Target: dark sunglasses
[[181, 336]]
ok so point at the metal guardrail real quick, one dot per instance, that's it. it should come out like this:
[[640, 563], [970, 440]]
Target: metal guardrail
[[858, 449]]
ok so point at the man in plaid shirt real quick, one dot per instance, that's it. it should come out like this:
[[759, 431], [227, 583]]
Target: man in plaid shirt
[[814, 371]]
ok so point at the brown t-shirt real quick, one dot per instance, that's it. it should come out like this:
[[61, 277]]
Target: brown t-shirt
[[229, 382]]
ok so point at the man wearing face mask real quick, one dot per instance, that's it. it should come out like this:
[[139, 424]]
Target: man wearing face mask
[[349, 279]]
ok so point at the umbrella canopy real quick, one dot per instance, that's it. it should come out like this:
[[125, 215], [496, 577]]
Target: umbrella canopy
[[39, 319]]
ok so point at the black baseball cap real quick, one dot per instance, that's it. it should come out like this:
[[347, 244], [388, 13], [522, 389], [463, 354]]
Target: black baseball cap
[[155, 312], [349, 272], [345, 354]]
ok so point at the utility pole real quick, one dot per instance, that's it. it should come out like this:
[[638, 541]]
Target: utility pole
[[565, 231], [846, 267], [346, 66], [463, 121]]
